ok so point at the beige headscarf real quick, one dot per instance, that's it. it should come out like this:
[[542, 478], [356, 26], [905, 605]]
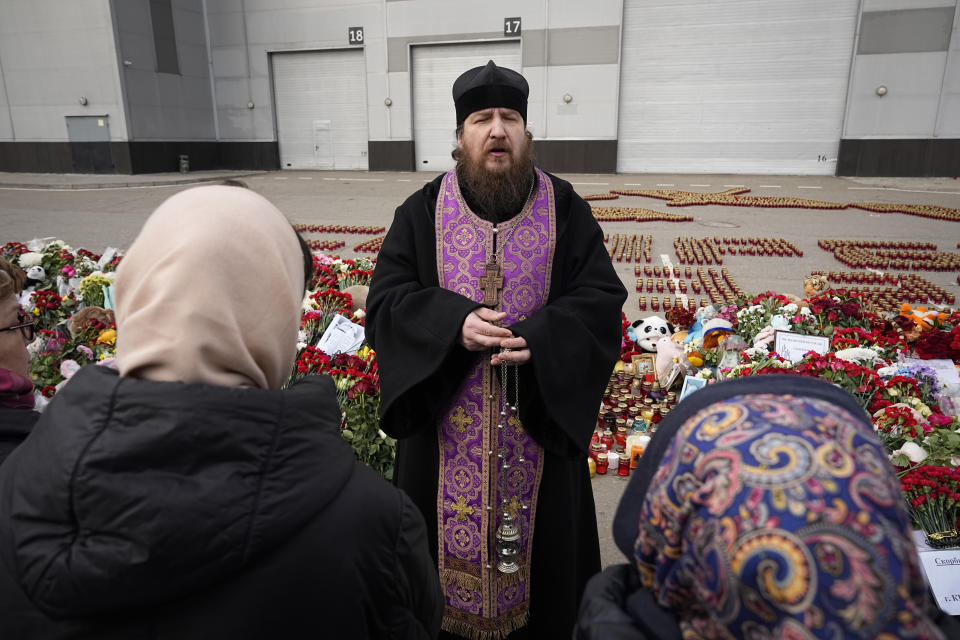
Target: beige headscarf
[[210, 292]]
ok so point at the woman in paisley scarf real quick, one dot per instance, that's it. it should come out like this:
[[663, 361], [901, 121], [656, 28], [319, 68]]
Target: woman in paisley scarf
[[764, 508]]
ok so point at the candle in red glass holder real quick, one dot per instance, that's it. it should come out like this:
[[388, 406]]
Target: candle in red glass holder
[[657, 415], [595, 449], [621, 435], [607, 440], [601, 463], [623, 468]]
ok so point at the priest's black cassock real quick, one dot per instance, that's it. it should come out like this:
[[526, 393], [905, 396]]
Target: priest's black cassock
[[414, 325]]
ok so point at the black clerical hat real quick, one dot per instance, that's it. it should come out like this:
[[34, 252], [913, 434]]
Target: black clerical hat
[[490, 86]]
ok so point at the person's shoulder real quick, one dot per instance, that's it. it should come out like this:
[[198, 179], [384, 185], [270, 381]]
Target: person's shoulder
[[420, 201], [568, 202], [426, 195], [559, 184]]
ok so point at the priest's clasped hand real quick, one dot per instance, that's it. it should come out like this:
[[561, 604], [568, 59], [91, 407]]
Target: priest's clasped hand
[[512, 351], [480, 332]]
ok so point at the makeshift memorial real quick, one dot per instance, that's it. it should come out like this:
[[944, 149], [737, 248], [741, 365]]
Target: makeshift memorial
[[906, 379], [74, 329]]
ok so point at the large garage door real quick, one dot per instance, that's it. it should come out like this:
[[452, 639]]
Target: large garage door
[[734, 86], [321, 109], [435, 67]]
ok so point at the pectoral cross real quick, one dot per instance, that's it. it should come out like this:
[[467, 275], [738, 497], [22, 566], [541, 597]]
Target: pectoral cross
[[492, 282]]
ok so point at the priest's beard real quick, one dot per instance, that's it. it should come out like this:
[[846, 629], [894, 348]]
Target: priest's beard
[[500, 193]]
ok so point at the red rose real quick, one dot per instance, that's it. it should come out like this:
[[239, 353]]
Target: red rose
[[850, 309]]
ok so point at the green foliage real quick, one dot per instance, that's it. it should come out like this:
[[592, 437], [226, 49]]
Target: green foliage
[[361, 429]]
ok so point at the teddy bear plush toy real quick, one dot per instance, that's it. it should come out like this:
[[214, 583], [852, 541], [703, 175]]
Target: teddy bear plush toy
[[813, 285], [647, 332]]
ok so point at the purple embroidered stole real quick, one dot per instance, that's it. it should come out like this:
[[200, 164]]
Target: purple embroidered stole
[[481, 602]]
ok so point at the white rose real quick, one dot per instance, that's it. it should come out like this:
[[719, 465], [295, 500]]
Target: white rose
[[31, 259], [913, 451], [805, 311], [790, 308], [756, 352], [857, 354]]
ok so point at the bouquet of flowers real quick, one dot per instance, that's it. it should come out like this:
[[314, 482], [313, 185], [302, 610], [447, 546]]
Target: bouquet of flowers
[[933, 493], [50, 309], [58, 355]]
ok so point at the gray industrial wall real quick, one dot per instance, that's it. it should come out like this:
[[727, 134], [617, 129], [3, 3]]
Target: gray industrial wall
[[642, 85]]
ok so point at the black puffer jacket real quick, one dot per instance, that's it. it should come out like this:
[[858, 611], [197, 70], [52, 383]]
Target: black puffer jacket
[[15, 426], [142, 509]]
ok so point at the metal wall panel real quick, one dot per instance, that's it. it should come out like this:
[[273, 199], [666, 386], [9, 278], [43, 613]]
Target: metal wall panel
[[321, 105], [734, 86], [434, 68]]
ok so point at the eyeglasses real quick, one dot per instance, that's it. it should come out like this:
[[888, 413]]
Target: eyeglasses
[[25, 325]]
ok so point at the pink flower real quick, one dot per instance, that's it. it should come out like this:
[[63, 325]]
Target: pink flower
[[937, 420]]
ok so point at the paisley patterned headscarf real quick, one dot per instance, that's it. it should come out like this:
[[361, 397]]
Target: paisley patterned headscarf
[[773, 512]]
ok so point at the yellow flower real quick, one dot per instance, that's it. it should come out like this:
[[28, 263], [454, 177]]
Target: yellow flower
[[35, 311], [108, 336], [364, 353]]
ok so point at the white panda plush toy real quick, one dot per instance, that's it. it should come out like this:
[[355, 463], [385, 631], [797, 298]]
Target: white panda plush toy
[[647, 331]]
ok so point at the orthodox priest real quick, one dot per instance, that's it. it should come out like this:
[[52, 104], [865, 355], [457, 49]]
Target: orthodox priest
[[495, 314]]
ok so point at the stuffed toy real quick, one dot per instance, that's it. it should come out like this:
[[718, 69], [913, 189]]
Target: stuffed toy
[[701, 317], [35, 276], [922, 317], [814, 285], [714, 331], [80, 319], [670, 353], [646, 332]]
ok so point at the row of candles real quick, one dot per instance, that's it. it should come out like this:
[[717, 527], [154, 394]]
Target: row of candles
[[863, 259], [902, 287], [338, 228], [656, 271], [636, 214], [669, 302], [325, 245], [626, 247], [370, 246]]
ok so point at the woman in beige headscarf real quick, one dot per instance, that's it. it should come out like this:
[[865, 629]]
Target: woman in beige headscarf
[[189, 494], [210, 292]]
